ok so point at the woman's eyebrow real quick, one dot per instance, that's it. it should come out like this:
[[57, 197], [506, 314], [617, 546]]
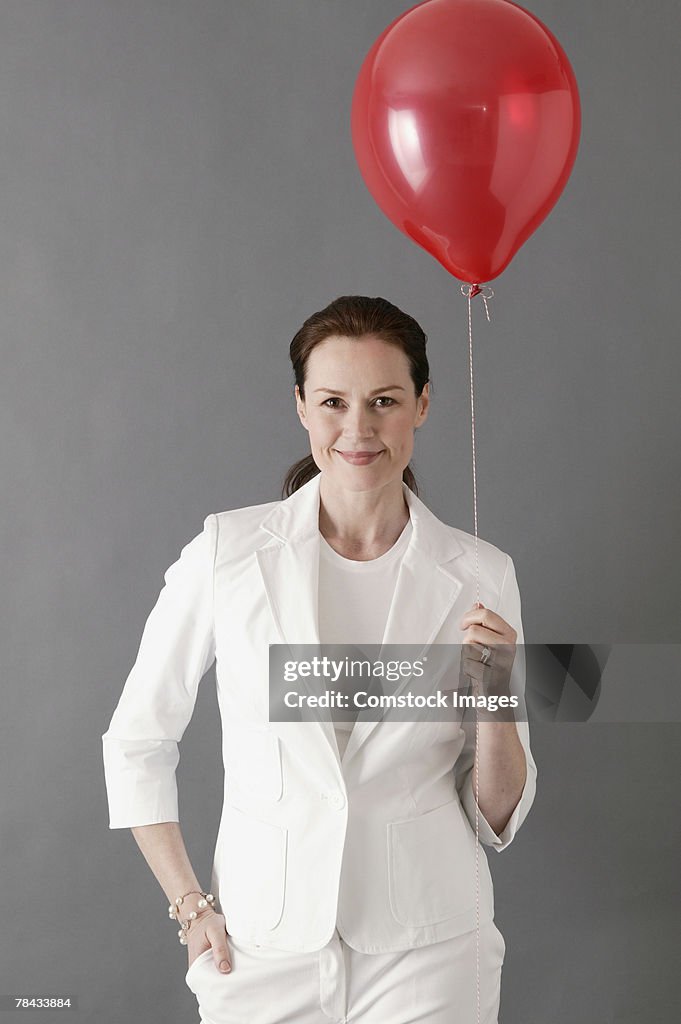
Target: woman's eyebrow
[[376, 391]]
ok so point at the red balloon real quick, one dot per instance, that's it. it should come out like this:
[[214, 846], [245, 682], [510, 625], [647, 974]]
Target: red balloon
[[465, 125]]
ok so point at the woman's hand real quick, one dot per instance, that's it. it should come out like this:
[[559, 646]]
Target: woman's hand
[[483, 628], [499, 764], [209, 930]]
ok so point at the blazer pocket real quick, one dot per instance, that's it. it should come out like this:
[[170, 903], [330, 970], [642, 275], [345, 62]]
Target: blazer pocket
[[253, 871], [254, 765], [431, 866]]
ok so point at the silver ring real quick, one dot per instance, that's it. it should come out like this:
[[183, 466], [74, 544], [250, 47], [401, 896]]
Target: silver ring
[[485, 656]]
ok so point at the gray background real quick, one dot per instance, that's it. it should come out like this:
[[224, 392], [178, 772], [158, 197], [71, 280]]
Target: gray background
[[179, 192]]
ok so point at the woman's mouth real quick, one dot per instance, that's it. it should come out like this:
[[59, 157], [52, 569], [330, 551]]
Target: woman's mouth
[[359, 458]]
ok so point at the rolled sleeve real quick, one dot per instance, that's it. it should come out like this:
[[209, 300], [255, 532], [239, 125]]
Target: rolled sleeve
[[509, 609], [140, 746]]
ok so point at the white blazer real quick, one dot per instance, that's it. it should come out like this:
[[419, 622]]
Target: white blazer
[[381, 845]]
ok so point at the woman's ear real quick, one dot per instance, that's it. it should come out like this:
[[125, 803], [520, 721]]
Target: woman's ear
[[300, 407], [423, 403]]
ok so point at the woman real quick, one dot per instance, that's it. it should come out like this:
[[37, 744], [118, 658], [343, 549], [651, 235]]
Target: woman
[[343, 886]]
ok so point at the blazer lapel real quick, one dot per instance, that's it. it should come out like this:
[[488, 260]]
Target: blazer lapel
[[427, 584], [289, 566]]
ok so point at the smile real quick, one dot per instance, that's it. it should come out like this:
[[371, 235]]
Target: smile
[[359, 458]]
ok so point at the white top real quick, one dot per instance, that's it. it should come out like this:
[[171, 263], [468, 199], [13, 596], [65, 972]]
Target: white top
[[354, 601]]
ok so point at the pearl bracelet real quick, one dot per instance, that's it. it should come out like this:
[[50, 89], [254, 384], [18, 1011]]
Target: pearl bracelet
[[207, 900]]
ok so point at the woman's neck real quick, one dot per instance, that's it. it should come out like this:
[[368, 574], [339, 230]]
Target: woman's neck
[[362, 524]]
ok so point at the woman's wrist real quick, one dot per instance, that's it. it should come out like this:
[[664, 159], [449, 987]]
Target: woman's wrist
[[190, 904], [189, 908]]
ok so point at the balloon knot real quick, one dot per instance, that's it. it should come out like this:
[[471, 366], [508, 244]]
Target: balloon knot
[[470, 290]]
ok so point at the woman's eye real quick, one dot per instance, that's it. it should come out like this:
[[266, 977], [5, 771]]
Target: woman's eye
[[381, 398]]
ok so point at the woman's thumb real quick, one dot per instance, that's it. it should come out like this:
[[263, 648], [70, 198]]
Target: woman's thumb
[[221, 957]]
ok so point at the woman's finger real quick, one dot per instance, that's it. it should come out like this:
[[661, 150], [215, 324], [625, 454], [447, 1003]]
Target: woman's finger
[[485, 618], [221, 955], [481, 635]]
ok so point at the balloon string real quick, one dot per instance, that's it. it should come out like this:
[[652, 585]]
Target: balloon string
[[470, 291]]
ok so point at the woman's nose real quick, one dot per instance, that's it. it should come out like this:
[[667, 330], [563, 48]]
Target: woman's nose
[[356, 424]]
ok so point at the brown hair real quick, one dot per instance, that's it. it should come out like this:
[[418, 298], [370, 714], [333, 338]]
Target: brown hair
[[353, 316]]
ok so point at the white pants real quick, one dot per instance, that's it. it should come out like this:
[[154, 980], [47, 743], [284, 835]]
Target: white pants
[[433, 984]]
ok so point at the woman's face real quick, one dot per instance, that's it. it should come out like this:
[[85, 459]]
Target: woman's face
[[359, 399]]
